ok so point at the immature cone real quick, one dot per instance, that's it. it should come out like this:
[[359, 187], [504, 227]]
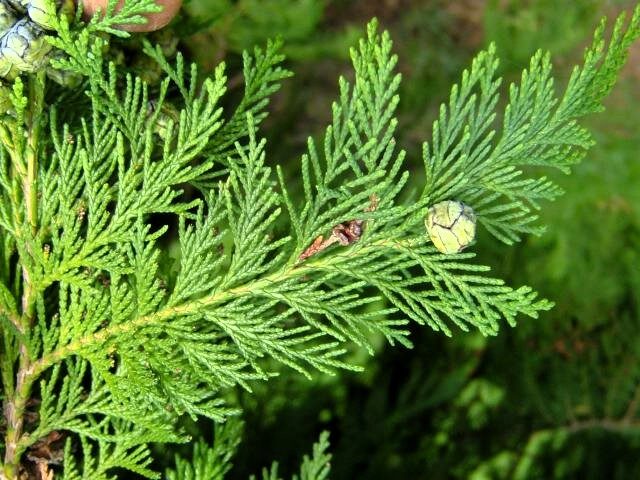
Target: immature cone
[[44, 12], [155, 21], [22, 48], [451, 225], [8, 16]]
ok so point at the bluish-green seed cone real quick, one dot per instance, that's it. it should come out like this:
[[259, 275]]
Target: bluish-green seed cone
[[451, 225], [23, 48], [44, 12], [15, 4], [8, 16]]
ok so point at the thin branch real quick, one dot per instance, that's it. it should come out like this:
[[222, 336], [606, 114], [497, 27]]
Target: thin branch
[[609, 424], [15, 406], [13, 317], [194, 306]]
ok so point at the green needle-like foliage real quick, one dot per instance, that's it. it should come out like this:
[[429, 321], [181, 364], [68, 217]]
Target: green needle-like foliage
[[108, 340], [316, 467], [212, 462]]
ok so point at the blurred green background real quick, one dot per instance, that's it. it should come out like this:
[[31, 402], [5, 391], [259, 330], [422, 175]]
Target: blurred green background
[[557, 397]]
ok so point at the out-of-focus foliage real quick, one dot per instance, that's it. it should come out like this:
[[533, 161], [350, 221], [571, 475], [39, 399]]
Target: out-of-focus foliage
[[520, 27], [213, 461]]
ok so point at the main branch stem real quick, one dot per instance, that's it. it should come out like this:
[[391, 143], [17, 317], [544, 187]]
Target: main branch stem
[[218, 297], [26, 232]]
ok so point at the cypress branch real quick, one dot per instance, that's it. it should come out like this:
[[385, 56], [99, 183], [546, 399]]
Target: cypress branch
[[116, 340]]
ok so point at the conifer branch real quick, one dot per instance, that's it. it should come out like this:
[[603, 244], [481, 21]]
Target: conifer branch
[[254, 288], [25, 233], [116, 342]]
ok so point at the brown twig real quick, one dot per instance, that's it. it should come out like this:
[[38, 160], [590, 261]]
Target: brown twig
[[344, 233]]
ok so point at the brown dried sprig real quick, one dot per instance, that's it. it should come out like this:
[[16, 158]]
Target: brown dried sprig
[[345, 234], [41, 455]]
